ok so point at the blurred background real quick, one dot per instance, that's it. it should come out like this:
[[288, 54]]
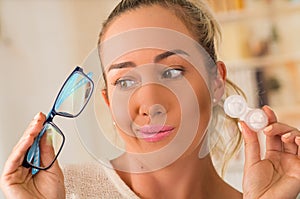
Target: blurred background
[[41, 41]]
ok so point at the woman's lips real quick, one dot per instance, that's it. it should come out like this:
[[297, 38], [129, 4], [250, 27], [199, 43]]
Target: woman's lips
[[154, 133]]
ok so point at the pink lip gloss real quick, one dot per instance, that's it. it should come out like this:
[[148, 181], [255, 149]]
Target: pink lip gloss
[[155, 133]]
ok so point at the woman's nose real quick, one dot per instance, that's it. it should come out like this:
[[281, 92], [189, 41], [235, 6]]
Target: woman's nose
[[152, 111], [151, 100]]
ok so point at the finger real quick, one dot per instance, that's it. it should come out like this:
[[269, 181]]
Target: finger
[[281, 133], [50, 145], [55, 168], [32, 130], [47, 153], [16, 157], [272, 118], [273, 143], [252, 147], [278, 129], [289, 143], [39, 120]]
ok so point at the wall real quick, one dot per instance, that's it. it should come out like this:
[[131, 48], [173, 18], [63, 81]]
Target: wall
[[41, 42]]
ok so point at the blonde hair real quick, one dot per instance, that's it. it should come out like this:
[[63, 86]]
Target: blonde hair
[[196, 15]]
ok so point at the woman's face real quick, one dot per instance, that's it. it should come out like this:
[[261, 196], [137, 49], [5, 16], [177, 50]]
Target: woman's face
[[155, 95]]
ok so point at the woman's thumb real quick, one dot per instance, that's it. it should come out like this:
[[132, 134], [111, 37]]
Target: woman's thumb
[[251, 143]]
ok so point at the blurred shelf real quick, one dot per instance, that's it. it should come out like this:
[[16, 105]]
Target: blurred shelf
[[289, 114], [264, 61], [272, 10], [288, 109]]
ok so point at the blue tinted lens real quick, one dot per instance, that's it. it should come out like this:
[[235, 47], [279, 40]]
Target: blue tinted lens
[[45, 148], [74, 95]]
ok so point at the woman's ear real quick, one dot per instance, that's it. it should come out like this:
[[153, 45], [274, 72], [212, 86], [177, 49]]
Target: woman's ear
[[219, 82], [105, 96]]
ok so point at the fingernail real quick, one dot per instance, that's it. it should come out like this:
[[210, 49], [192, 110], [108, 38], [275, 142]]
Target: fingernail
[[240, 126], [37, 116], [268, 128], [287, 135], [269, 107], [297, 139]]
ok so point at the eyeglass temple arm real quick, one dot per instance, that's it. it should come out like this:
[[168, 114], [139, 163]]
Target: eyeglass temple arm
[[33, 155]]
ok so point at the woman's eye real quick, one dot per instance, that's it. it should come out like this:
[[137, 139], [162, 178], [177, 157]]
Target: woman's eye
[[125, 83], [172, 73]]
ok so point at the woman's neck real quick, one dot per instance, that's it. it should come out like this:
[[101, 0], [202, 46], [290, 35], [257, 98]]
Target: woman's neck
[[188, 177]]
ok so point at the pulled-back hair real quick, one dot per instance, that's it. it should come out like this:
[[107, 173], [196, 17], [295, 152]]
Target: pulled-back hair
[[201, 23], [196, 16]]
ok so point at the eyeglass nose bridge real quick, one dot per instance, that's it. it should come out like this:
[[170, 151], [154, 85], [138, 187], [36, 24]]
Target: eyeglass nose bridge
[[50, 116]]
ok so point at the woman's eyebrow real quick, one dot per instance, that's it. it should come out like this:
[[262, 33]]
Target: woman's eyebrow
[[157, 58], [167, 54], [122, 65]]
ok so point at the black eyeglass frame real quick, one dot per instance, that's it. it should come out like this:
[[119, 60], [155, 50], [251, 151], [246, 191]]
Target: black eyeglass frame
[[53, 113]]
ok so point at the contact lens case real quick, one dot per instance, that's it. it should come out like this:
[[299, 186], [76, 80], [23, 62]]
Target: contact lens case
[[235, 106]]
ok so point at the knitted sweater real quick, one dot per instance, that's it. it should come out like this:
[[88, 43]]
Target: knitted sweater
[[94, 181]]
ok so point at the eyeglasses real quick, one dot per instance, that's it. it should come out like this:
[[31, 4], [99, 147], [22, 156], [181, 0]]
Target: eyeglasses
[[70, 102]]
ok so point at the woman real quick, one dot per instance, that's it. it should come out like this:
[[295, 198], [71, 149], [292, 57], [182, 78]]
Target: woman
[[160, 115]]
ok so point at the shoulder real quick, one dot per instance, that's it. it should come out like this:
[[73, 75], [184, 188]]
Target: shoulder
[[92, 180]]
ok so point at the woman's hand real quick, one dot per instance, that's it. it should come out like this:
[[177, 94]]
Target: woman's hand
[[18, 182], [276, 176]]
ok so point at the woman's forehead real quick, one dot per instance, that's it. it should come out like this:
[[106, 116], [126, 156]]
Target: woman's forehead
[[164, 43], [146, 16]]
